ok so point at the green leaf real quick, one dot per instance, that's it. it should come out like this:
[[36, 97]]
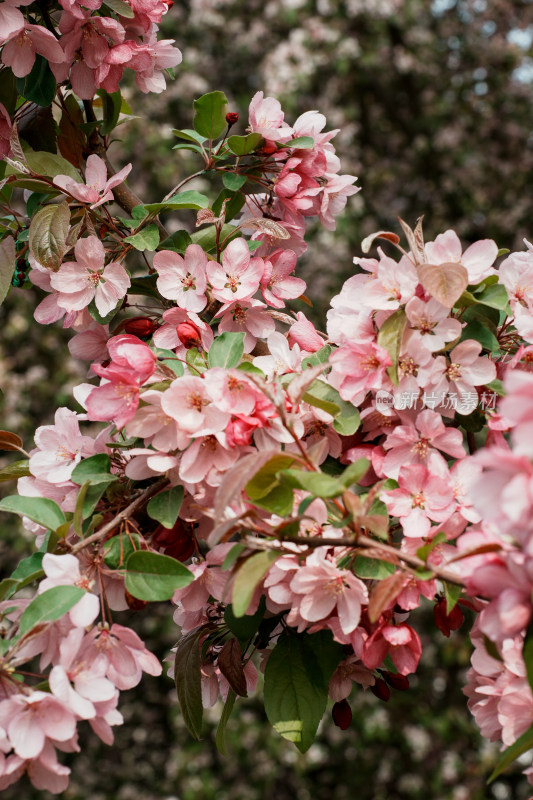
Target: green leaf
[[232, 181], [152, 576], [354, 472], [266, 479], [183, 200], [119, 548], [390, 337], [41, 510], [524, 743], [8, 91], [28, 566], [320, 357], [178, 241], [189, 135], [77, 521], [210, 114], [297, 678], [146, 239], [235, 201], [226, 351], [165, 506], [8, 262], [96, 469], [232, 556], [40, 85], [121, 8], [300, 143], [347, 419], [481, 333], [372, 568], [495, 296], [7, 587], [49, 606], [246, 626], [249, 575], [220, 738], [194, 148], [50, 164], [187, 677], [195, 360], [206, 238], [243, 145], [318, 483], [18, 469], [111, 103], [48, 234], [452, 593], [278, 501]]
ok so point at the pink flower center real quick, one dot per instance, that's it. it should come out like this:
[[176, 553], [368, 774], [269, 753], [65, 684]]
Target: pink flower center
[[127, 393], [453, 372], [368, 363], [418, 500], [210, 442], [232, 284], [421, 447], [408, 366], [335, 586], [196, 401], [425, 325], [239, 315], [188, 282], [64, 454], [95, 278]]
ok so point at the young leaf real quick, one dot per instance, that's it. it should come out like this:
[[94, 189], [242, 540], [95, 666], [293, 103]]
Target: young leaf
[[152, 576], [10, 441], [265, 479], [452, 593], [210, 114], [226, 351], [49, 606], [383, 595], [249, 575], [111, 103], [297, 678], [390, 338], [48, 235], [41, 510], [165, 506], [230, 664], [18, 469], [318, 483], [445, 282], [232, 181], [187, 676]]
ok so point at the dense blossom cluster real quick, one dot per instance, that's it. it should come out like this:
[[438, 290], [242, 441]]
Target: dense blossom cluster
[[319, 486], [86, 47]]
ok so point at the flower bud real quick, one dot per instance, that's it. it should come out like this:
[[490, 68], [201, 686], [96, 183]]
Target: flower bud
[[232, 117], [268, 148], [189, 334], [133, 602], [447, 622], [342, 714], [397, 681], [143, 327], [177, 542], [381, 690]]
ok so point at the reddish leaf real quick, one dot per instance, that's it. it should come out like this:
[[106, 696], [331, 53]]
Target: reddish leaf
[[230, 665], [445, 282], [366, 244], [10, 441], [384, 594]]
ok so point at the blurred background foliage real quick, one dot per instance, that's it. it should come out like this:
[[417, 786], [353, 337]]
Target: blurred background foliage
[[433, 103]]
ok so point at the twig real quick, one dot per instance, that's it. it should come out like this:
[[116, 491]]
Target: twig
[[139, 501]]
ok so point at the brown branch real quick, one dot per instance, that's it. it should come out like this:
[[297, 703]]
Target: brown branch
[[120, 517], [361, 541]]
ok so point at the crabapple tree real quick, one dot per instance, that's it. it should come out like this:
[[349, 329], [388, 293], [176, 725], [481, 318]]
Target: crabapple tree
[[294, 494]]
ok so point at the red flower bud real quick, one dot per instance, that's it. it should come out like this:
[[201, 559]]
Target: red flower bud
[[177, 542], [380, 689], [397, 681], [342, 714], [143, 327], [133, 602], [447, 622], [232, 117], [268, 149], [189, 334]]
